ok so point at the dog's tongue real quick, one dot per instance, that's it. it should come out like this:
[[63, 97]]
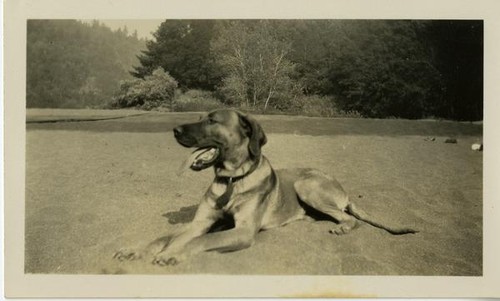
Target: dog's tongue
[[203, 154]]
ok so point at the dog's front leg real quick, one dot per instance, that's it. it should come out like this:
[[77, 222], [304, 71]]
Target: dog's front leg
[[225, 241], [204, 218], [240, 237]]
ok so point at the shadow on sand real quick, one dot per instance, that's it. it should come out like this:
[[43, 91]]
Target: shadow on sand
[[186, 214]]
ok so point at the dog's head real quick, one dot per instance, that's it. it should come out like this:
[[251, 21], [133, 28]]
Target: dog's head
[[230, 138]]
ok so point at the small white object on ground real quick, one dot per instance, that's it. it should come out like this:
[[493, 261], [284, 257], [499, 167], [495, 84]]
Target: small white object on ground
[[477, 147]]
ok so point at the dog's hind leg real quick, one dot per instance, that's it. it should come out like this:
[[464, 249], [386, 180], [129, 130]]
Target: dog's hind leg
[[325, 194]]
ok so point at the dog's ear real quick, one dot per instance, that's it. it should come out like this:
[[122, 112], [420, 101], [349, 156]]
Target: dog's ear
[[254, 132]]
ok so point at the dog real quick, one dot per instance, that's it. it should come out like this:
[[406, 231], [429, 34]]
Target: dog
[[247, 188]]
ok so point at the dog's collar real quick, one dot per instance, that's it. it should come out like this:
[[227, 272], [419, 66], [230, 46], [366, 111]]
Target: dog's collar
[[222, 201], [227, 179]]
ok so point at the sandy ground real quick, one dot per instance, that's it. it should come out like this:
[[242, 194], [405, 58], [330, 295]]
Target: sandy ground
[[92, 188]]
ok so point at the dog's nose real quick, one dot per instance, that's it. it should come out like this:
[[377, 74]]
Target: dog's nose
[[177, 131]]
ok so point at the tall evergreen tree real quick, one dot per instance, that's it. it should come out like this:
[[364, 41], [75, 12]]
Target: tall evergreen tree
[[182, 47]]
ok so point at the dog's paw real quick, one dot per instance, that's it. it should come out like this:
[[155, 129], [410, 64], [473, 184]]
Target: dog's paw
[[127, 254], [340, 229], [164, 259], [164, 262]]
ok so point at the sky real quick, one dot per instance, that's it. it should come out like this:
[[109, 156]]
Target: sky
[[144, 28]]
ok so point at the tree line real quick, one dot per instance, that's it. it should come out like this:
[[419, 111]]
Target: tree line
[[376, 68], [74, 64]]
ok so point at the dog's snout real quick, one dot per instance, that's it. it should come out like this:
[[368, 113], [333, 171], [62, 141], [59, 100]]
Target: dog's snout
[[177, 131]]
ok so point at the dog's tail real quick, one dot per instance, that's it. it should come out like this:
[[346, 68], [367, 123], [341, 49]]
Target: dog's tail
[[362, 215]]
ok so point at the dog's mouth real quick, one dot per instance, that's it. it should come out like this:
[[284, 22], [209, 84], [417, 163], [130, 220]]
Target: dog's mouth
[[204, 157], [201, 158]]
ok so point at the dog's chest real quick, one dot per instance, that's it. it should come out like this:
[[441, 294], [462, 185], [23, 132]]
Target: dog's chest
[[217, 191]]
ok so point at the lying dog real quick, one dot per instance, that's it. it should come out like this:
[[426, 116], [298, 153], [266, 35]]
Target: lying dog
[[249, 189]]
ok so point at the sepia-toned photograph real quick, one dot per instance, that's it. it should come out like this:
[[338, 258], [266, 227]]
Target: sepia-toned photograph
[[316, 147], [254, 147]]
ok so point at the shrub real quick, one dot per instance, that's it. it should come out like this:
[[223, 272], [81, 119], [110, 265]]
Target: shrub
[[155, 90], [196, 101]]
